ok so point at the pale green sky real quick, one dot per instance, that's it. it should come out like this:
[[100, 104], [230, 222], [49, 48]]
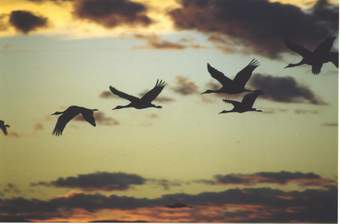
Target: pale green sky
[[188, 141]]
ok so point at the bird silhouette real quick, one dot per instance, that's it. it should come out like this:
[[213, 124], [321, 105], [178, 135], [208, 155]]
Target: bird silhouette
[[69, 114], [322, 54], [4, 127], [245, 105], [140, 103], [233, 86]]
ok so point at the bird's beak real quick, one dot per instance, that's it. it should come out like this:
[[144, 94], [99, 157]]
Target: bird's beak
[[286, 66]]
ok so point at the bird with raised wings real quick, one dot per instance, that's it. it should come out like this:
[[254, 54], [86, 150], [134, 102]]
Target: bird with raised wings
[[70, 113], [235, 86], [322, 54], [245, 105], [140, 103], [4, 127]]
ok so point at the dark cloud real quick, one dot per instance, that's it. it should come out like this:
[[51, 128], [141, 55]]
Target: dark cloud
[[100, 118], [284, 89], [261, 205], [155, 42], [184, 86], [103, 181], [282, 178], [112, 13], [257, 25], [26, 21]]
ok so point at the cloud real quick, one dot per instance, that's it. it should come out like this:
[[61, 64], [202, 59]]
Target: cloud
[[259, 26], [330, 124], [155, 42], [184, 86], [26, 21], [11, 189], [246, 205], [100, 118], [165, 184], [38, 127], [14, 134], [112, 13], [304, 111], [282, 178], [107, 95], [103, 181], [284, 89]]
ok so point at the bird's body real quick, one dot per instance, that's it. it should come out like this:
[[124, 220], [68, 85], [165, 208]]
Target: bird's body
[[232, 86], [143, 102], [322, 54], [246, 105], [4, 127], [70, 113]]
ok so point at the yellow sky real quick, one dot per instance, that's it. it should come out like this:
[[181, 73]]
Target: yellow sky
[[62, 22]]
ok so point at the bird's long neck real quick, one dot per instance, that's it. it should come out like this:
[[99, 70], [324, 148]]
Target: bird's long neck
[[256, 110], [57, 113], [226, 111], [212, 91], [156, 106]]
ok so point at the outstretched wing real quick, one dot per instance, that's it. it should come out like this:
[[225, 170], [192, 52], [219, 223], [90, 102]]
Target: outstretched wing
[[153, 93], [334, 58], [325, 46], [123, 95], [4, 129], [297, 48], [219, 76], [62, 122], [233, 102], [243, 76], [249, 99], [88, 116]]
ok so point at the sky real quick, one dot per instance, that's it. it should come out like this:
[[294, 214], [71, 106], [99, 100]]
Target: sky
[[184, 162]]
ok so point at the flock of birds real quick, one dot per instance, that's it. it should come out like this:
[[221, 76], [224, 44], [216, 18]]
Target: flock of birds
[[322, 54]]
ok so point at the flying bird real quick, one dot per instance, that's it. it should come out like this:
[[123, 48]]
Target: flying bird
[[70, 113], [322, 54], [245, 105], [140, 103], [233, 86], [4, 127]]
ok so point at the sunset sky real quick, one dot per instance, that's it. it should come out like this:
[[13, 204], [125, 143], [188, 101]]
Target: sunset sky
[[137, 165]]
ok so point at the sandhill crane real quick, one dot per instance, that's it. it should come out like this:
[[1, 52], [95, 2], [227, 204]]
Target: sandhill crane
[[245, 105], [322, 54], [69, 114], [233, 86], [143, 102], [4, 127]]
